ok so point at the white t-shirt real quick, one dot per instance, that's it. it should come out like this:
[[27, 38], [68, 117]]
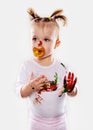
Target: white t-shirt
[[52, 105]]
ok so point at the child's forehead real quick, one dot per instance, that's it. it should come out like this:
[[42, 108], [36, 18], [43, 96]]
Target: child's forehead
[[43, 23], [47, 27]]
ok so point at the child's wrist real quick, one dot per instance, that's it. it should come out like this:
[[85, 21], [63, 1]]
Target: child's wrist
[[32, 87], [73, 92]]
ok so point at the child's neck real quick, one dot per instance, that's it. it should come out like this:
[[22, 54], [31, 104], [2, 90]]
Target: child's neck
[[45, 61]]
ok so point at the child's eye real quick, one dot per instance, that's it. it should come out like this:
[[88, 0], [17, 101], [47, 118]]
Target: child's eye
[[34, 39], [46, 40]]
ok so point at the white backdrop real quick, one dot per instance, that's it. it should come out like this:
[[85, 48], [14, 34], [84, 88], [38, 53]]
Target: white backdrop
[[76, 50]]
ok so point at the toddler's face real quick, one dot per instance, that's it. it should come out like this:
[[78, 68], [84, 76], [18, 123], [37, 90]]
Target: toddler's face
[[44, 38]]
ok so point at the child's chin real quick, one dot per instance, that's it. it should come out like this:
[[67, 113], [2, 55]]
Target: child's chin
[[45, 56], [39, 57]]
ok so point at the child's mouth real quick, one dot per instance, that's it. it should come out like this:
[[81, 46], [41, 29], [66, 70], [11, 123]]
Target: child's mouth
[[39, 52]]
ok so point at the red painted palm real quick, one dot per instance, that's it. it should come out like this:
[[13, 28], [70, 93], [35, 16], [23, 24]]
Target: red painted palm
[[69, 82]]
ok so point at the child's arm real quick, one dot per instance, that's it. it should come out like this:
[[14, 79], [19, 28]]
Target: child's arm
[[33, 85]]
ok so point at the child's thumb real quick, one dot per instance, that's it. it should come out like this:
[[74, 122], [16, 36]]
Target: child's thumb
[[32, 76], [61, 92]]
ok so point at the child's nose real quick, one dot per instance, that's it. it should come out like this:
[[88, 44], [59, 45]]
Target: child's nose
[[40, 43]]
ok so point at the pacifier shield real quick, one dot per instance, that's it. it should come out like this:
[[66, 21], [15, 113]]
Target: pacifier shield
[[38, 52]]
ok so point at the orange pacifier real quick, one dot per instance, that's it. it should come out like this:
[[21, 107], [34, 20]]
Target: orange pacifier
[[39, 52]]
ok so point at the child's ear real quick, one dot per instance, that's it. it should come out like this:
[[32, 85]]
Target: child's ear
[[57, 43]]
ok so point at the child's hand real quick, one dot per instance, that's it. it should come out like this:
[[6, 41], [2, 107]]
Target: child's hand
[[37, 83], [68, 84]]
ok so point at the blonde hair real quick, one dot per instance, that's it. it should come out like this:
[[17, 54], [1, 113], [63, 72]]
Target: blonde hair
[[56, 15], [53, 19]]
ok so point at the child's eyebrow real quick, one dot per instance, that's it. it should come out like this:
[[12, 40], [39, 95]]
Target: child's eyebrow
[[34, 35], [47, 36]]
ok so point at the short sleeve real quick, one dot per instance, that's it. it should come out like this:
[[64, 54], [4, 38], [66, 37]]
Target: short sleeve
[[22, 79]]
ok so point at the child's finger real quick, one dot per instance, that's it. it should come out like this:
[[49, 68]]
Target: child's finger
[[40, 77], [61, 92], [40, 86], [32, 76], [72, 78], [64, 79], [42, 81], [75, 81], [64, 82], [69, 75]]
